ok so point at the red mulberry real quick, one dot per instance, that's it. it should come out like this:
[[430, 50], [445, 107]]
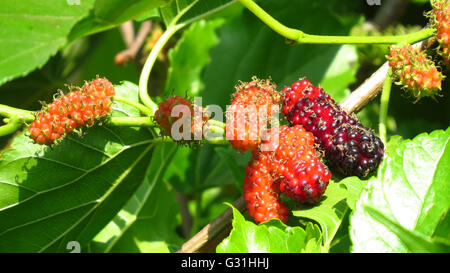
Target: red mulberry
[[82, 107], [261, 193], [250, 113], [286, 162], [197, 118]]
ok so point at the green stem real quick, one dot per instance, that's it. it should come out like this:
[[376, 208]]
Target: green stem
[[8, 111], [133, 121], [215, 129], [143, 81], [161, 140], [182, 12], [400, 39], [289, 33], [149, 122], [303, 38], [384, 103], [136, 105], [198, 212], [216, 141], [216, 123], [12, 126]]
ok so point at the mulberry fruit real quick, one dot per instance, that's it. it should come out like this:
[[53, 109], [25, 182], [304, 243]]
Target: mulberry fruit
[[441, 21], [285, 162], [261, 193], [296, 166], [76, 109], [415, 71], [196, 119], [253, 105], [348, 146]]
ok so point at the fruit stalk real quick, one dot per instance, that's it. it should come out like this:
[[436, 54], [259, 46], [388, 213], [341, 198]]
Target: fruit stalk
[[384, 104], [300, 37], [11, 126], [136, 105], [151, 59]]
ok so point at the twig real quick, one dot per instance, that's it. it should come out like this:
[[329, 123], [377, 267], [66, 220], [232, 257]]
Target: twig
[[366, 91], [210, 231], [353, 103], [186, 217], [127, 31], [130, 53]]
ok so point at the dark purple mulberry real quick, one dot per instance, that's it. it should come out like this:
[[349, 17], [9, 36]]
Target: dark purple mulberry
[[349, 147]]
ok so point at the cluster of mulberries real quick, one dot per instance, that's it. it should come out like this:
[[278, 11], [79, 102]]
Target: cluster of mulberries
[[284, 162], [285, 159], [76, 109], [193, 115], [441, 20], [415, 71], [249, 115], [348, 146]]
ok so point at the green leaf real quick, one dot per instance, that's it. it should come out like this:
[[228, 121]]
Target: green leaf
[[415, 242], [341, 72], [249, 48], [33, 31], [443, 227], [354, 187], [99, 61], [329, 213], [269, 237], [186, 11], [50, 196], [411, 190], [236, 162], [208, 204], [341, 242], [126, 90], [108, 14], [394, 142], [147, 222], [198, 169], [313, 239], [189, 57]]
